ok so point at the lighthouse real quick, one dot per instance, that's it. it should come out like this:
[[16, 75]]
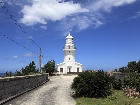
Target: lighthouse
[[69, 66]]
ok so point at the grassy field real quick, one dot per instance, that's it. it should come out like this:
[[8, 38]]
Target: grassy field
[[117, 98]]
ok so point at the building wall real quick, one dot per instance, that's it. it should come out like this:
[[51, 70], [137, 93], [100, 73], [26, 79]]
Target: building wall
[[69, 59], [10, 86], [78, 66], [73, 68]]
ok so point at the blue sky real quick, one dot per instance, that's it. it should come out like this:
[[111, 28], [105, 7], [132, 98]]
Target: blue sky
[[106, 32]]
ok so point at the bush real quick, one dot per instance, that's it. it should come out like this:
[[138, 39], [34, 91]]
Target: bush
[[8, 74], [117, 84], [133, 80], [92, 84], [18, 73]]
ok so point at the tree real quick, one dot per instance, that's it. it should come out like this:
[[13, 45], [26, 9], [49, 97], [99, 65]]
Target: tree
[[132, 66], [115, 70], [138, 66], [49, 67], [29, 69], [18, 73], [122, 69], [10, 73], [7, 74]]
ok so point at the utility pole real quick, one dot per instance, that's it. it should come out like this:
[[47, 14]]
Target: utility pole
[[40, 60]]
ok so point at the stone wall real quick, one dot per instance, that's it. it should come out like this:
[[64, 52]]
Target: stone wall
[[73, 73], [119, 75], [11, 86]]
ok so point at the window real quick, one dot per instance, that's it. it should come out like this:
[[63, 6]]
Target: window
[[69, 51], [69, 58], [61, 69]]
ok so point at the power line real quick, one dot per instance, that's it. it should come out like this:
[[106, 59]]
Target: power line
[[34, 42], [17, 24], [17, 43], [15, 21]]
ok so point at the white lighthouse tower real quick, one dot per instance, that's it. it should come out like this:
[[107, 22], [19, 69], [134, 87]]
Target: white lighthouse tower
[[69, 65]]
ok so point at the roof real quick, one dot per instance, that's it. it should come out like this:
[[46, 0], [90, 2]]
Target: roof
[[69, 36]]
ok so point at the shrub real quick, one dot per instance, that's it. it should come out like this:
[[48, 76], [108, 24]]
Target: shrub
[[133, 80], [117, 84], [18, 73], [8, 74], [92, 84]]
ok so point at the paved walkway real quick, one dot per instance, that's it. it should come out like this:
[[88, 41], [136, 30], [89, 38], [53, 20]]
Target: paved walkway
[[54, 92]]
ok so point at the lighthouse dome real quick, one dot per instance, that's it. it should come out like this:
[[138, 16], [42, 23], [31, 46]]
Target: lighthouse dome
[[69, 36]]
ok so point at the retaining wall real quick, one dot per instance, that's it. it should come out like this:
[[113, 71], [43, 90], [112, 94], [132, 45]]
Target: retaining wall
[[73, 72], [119, 75], [10, 86]]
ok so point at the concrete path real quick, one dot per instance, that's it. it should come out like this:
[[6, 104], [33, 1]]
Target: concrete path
[[55, 92]]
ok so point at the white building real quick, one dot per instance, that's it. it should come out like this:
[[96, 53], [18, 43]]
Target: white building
[[69, 65]]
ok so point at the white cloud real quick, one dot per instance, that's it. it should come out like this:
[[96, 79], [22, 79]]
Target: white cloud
[[89, 20], [43, 27], [106, 5], [17, 2], [68, 14], [137, 15], [84, 23], [28, 55], [42, 10], [81, 22], [15, 56], [94, 18]]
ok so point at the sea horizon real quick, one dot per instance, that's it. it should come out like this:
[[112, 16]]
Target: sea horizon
[[2, 74]]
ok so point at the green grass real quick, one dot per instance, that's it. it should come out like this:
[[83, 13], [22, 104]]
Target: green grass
[[117, 98]]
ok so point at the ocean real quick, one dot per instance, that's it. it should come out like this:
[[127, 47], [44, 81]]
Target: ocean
[[2, 74]]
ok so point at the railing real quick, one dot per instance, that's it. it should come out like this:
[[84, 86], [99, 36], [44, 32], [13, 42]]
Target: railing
[[69, 47]]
